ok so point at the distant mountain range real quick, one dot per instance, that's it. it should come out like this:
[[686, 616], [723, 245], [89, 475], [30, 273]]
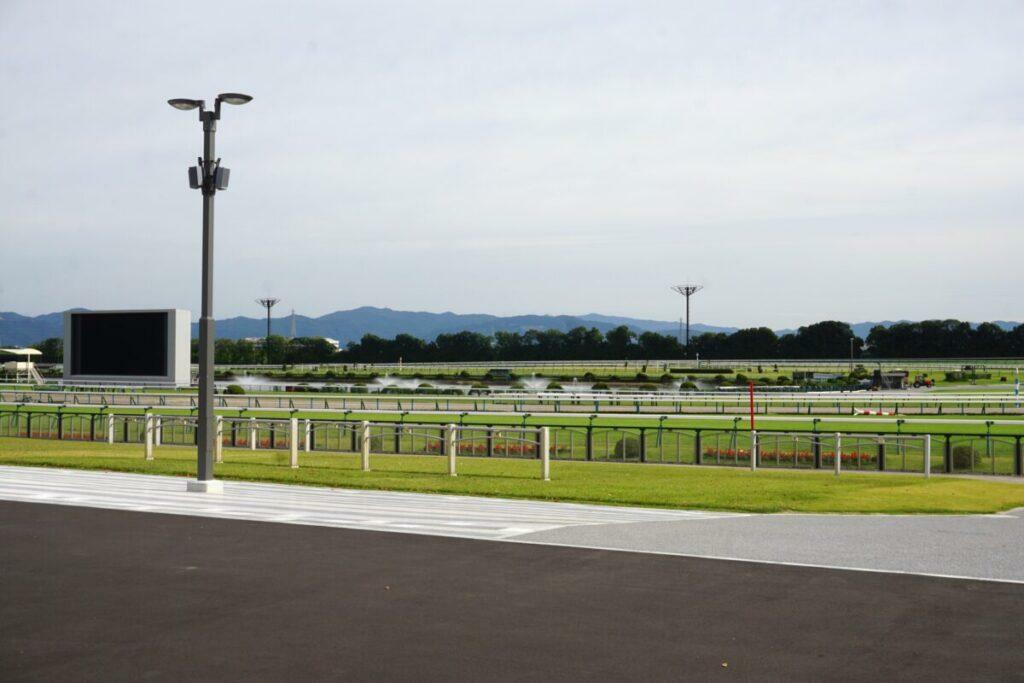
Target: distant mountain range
[[346, 326]]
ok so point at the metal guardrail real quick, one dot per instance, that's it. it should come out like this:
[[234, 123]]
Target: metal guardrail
[[952, 454], [559, 402]]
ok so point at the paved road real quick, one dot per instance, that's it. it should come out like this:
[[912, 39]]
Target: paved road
[[105, 594], [977, 546]]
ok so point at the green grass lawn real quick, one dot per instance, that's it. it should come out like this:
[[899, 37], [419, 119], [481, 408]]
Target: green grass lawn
[[665, 486]]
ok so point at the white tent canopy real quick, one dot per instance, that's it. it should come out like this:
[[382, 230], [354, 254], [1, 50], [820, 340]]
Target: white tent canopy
[[22, 352]]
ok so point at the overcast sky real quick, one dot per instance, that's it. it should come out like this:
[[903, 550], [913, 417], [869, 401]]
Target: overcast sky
[[804, 161]]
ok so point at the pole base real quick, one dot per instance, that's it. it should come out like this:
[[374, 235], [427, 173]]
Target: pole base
[[205, 486]]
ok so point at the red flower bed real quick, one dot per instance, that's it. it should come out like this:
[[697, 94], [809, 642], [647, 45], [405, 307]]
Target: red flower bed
[[790, 456]]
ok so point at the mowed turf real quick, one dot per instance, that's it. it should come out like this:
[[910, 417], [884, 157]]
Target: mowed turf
[[669, 486]]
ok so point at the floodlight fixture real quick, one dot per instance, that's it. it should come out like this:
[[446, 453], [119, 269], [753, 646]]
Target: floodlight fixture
[[267, 303], [234, 98], [184, 104], [209, 177], [687, 291]]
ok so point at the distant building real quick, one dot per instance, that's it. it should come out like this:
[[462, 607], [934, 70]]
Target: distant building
[[333, 342], [892, 379]]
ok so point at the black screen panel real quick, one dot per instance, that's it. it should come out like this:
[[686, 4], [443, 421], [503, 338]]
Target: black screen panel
[[127, 344]]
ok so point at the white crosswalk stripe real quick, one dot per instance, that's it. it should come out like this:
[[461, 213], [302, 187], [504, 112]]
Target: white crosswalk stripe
[[441, 515]]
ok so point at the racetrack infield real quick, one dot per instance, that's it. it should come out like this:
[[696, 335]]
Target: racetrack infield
[[90, 594]]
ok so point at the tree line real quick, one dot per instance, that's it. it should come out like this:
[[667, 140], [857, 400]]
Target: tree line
[[826, 339]]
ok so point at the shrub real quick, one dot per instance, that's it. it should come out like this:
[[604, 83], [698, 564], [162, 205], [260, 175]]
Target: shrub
[[648, 387], [687, 386], [782, 380], [234, 389], [718, 379], [425, 385], [589, 377], [667, 379], [479, 385], [600, 386], [741, 378], [517, 385], [554, 386], [958, 376], [628, 448], [962, 457], [642, 377]]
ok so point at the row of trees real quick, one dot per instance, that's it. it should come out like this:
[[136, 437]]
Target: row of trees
[[827, 339], [946, 339], [282, 350], [821, 340]]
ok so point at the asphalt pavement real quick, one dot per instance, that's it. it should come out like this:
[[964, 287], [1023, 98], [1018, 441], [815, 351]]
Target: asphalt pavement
[[89, 594]]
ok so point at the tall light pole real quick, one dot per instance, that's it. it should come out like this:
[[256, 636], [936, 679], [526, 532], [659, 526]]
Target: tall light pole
[[267, 304], [687, 291], [208, 176]]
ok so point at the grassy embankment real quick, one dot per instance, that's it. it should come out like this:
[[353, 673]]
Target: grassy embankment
[[604, 483]]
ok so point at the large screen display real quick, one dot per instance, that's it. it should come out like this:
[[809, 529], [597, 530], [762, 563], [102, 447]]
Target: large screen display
[[126, 344]]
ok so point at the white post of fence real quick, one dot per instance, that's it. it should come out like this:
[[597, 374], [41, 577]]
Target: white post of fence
[[147, 437], [545, 453], [839, 452], [110, 428], [309, 430], [293, 441], [158, 431], [253, 433], [927, 456], [753, 450], [218, 446], [451, 445], [364, 445]]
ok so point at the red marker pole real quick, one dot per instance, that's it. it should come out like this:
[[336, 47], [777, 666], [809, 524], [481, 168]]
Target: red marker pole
[[750, 386]]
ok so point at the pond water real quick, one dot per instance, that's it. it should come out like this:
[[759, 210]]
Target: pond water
[[263, 383]]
